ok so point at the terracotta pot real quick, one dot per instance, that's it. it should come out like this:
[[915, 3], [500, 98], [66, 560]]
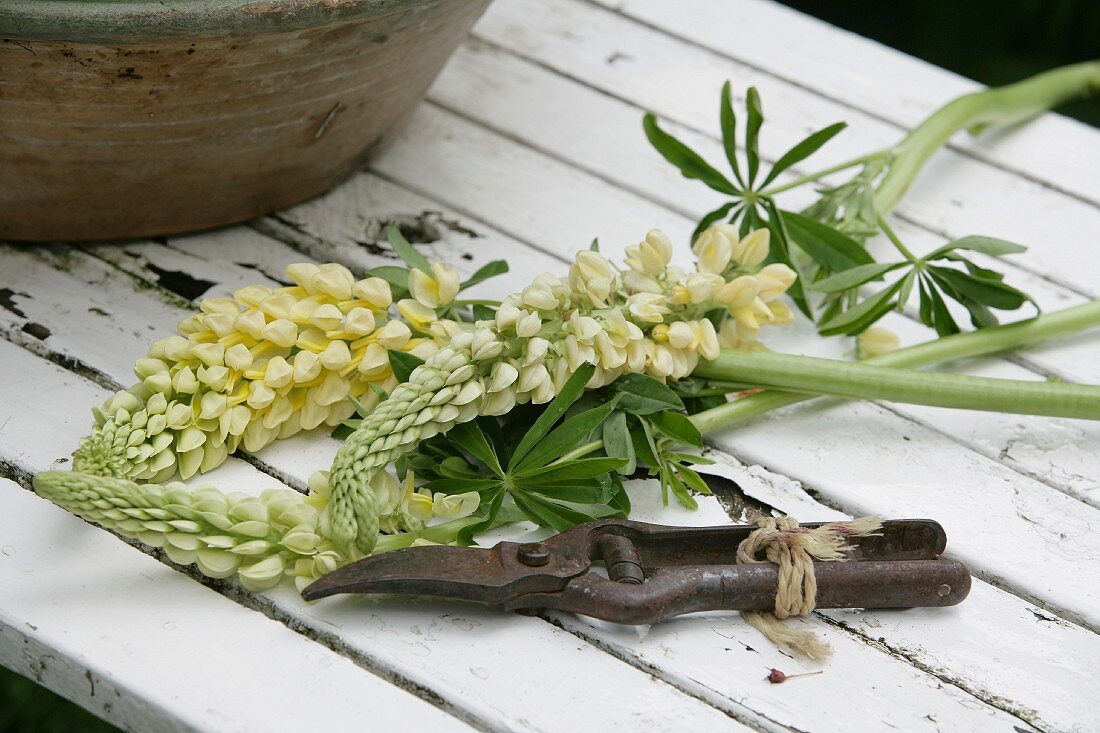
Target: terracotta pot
[[129, 118]]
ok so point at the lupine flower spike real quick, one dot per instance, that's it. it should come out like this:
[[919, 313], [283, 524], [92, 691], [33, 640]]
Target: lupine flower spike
[[268, 363]]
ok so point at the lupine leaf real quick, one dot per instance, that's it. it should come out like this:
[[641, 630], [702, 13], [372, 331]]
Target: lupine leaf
[[470, 437], [676, 425], [689, 162], [616, 442], [403, 364], [569, 393], [728, 121], [781, 252], [640, 394], [827, 246], [564, 438], [804, 149], [861, 315], [992, 293], [406, 251], [852, 277], [486, 271], [984, 245], [580, 468], [752, 132]]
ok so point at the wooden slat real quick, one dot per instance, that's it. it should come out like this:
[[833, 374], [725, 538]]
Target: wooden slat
[[857, 71], [955, 196], [439, 649], [293, 462]]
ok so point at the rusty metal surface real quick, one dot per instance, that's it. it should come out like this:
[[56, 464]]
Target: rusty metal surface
[[655, 572], [165, 134]]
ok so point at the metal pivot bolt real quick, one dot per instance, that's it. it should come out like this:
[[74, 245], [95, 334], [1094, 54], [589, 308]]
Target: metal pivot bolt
[[623, 563], [533, 554]]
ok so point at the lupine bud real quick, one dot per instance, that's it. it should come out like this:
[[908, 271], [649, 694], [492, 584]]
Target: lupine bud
[[877, 340]]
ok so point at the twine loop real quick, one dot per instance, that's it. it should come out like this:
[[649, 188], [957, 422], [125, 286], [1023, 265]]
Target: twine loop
[[793, 549]]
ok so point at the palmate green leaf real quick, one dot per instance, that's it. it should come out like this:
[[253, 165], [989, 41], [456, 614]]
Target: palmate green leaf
[[942, 320], [752, 132], [689, 162], [640, 394], [827, 246], [992, 293], [563, 438], [569, 393], [984, 245], [406, 251], [863, 314], [469, 435], [486, 271], [855, 276], [616, 442], [403, 364], [804, 149], [728, 121]]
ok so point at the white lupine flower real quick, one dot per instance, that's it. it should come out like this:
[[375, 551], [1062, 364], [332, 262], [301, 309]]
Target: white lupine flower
[[507, 315], [528, 324], [416, 313], [504, 375], [437, 289], [539, 296], [739, 292], [774, 280], [536, 351], [592, 277], [647, 307], [394, 335], [637, 282], [375, 292], [360, 321], [714, 250], [753, 249]]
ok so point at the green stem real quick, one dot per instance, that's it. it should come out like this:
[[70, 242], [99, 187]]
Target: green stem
[[833, 377], [959, 346], [889, 232], [977, 112], [818, 175]]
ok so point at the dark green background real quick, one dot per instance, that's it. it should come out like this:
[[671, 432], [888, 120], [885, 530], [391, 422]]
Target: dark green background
[[992, 41]]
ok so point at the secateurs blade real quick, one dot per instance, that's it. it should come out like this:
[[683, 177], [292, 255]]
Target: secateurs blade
[[653, 572]]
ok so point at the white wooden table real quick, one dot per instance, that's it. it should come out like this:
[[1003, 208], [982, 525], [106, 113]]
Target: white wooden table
[[528, 146]]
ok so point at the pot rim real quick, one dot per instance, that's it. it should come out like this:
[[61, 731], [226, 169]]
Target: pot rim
[[129, 20]]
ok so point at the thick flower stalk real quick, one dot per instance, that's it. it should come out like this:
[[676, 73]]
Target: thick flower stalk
[[261, 539], [246, 370], [651, 318]]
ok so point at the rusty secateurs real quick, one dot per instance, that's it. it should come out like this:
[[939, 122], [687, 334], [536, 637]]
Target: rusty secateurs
[[654, 572]]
